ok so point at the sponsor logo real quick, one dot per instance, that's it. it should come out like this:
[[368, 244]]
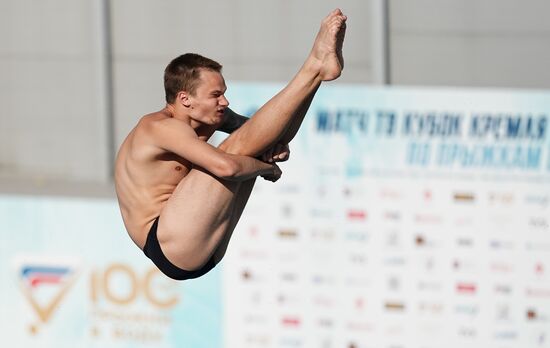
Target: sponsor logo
[[322, 280], [469, 310], [465, 242], [357, 236], [503, 289], [322, 234], [356, 191], [325, 213], [464, 221], [248, 275], [255, 319], [286, 188], [463, 265], [507, 335], [464, 197], [539, 339], [288, 299], [322, 191], [534, 314], [260, 340], [538, 292], [291, 321], [323, 301], [288, 234], [430, 307], [393, 239], [427, 195], [537, 246], [466, 288], [360, 326], [504, 198], [422, 242], [254, 232], [327, 170], [146, 285], [501, 267], [501, 244], [390, 194], [356, 215], [45, 282], [539, 223], [289, 277], [428, 219], [325, 323], [538, 200], [253, 254], [502, 312], [290, 342], [287, 211], [429, 286], [539, 269], [392, 306], [255, 297], [359, 303], [324, 342], [467, 332], [394, 283], [428, 264], [357, 258], [395, 261], [392, 216], [113, 290], [116, 289]]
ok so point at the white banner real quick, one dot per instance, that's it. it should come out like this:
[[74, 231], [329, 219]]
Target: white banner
[[404, 218]]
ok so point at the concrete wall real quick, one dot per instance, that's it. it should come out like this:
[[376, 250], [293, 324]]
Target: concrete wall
[[53, 123], [489, 43], [254, 43], [50, 123]]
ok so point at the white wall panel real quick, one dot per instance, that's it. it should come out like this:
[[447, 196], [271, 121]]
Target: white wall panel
[[470, 43], [51, 127], [46, 28], [138, 91], [470, 16], [54, 130]]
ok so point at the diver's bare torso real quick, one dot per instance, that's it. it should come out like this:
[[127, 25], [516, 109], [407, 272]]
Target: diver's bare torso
[[146, 175]]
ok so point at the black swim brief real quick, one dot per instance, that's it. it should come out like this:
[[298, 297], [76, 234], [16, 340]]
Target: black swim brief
[[153, 251]]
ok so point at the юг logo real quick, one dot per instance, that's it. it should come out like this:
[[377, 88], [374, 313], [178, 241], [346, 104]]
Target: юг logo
[[44, 283]]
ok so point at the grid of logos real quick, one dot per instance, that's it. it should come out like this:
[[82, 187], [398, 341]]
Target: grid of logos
[[396, 263], [340, 254]]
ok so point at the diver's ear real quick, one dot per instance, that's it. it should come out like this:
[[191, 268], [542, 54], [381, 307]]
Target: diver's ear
[[183, 98]]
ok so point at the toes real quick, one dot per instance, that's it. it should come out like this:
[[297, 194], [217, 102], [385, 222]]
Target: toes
[[337, 23], [335, 13]]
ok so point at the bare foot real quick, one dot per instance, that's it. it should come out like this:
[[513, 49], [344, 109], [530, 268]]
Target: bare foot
[[327, 48]]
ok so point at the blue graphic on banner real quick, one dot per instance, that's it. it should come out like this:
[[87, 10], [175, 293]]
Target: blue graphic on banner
[[439, 130], [71, 277]]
